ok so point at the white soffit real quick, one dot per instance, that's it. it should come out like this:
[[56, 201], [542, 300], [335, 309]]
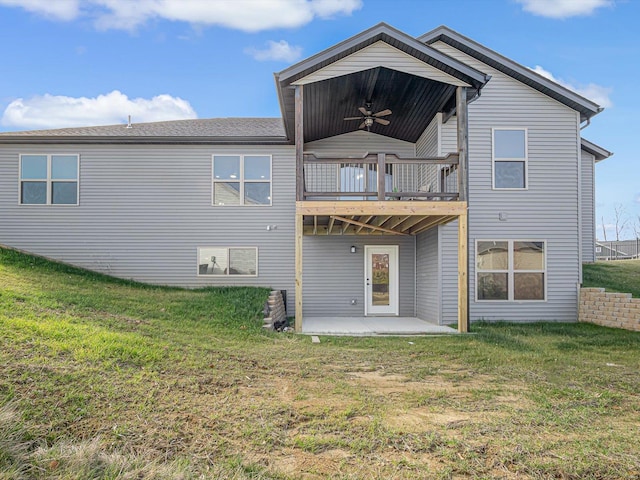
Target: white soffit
[[380, 54]]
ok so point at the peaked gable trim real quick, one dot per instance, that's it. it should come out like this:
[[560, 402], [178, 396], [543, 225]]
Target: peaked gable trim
[[381, 54], [393, 37], [586, 107]]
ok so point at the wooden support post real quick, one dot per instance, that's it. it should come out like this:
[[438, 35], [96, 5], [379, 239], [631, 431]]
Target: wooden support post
[[299, 133], [463, 143], [463, 195], [463, 276], [298, 261], [381, 176]]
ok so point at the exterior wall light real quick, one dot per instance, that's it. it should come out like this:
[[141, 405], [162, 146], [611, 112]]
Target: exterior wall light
[[353, 249]]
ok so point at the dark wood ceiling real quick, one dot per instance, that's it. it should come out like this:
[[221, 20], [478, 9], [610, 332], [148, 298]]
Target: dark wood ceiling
[[413, 100]]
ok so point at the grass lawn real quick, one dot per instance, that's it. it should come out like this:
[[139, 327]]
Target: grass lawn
[[616, 276], [106, 379]]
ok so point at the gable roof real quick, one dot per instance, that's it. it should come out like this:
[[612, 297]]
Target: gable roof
[[355, 87], [195, 131], [597, 151], [586, 107]]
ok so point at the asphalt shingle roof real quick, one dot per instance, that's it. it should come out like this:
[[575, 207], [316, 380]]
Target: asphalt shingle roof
[[208, 128]]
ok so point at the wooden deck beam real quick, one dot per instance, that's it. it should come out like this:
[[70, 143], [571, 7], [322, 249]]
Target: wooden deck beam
[[365, 219], [373, 227], [330, 227], [409, 222], [392, 208], [395, 221]]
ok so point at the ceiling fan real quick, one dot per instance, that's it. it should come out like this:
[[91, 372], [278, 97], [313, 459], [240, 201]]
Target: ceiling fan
[[369, 118]]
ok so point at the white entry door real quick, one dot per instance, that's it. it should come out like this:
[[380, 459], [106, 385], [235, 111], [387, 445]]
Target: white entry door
[[381, 280]]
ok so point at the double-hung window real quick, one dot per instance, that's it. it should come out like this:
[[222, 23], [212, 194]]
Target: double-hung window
[[510, 270], [241, 180], [49, 179], [509, 158]]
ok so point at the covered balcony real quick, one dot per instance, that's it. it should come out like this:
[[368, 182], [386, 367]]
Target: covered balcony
[[402, 88], [335, 178], [408, 182]]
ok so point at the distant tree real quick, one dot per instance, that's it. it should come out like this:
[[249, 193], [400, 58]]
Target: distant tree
[[636, 227], [621, 220]]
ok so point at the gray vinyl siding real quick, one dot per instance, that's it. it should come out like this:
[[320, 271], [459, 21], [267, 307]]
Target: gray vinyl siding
[[332, 275], [358, 143], [547, 210], [427, 276], [588, 208], [448, 245], [144, 211], [427, 144], [449, 140]]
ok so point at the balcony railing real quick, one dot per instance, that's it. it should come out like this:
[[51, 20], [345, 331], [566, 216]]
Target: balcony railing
[[433, 179]]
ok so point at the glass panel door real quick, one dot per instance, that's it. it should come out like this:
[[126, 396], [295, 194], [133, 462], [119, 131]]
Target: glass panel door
[[381, 280]]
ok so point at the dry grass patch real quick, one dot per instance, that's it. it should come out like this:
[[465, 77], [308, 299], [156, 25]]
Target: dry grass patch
[[129, 381]]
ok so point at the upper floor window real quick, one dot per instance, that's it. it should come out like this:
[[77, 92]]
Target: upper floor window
[[510, 270], [509, 158], [49, 179], [242, 180]]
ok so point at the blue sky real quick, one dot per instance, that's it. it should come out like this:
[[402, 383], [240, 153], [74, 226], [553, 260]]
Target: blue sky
[[93, 62]]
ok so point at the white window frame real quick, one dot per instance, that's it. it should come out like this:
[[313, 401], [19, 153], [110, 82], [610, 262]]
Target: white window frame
[[227, 248], [510, 271], [242, 180], [49, 181], [524, 160]]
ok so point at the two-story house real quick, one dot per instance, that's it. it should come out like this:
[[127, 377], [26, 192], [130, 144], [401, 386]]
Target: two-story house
[[422, 177]]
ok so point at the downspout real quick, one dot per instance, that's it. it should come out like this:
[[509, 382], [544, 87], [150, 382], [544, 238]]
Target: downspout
[[415, 262], [586, 124], [415, 276], [599, 110], [579, 206]]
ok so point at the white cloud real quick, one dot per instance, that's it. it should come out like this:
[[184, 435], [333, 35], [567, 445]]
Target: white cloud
[[563, 8], [595, 93], [57, 111], [58, 9], [245, 15], [279, 51]]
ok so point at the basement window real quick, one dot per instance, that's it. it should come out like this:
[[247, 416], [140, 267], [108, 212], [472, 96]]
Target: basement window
[[49, 179], [228, 261], [510, 270]]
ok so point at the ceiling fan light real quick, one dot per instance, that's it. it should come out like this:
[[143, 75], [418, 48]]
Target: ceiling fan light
[[368, 121]]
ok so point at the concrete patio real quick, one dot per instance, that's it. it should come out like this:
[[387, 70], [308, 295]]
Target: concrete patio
[[371, 326]]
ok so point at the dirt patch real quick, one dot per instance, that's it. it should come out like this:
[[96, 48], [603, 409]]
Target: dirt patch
[[419, 420], [386, 383], [307, 466]]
